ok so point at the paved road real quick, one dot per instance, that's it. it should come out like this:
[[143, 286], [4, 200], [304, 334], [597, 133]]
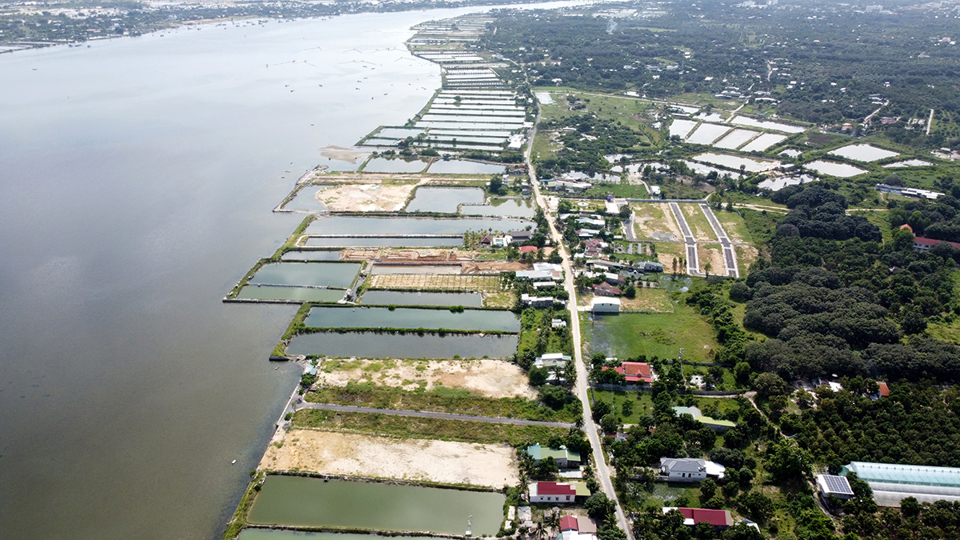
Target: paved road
[[693, 264], [589, 427], [426, 414], [729, 254]]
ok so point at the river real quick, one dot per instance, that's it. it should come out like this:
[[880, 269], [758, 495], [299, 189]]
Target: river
[[137, 177]]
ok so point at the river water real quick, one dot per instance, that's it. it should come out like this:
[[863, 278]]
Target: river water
[[136, 182]]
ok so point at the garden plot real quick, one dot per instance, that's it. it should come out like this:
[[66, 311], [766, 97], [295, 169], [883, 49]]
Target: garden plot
[[707, 133], [840, 170], [863, 152], [771, 126], [761, 143], [735, 139]]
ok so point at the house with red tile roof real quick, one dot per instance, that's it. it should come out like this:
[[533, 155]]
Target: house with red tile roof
[[692, 516], [634, 372], [552, 492]]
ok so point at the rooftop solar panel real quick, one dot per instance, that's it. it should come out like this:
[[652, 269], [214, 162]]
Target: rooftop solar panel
[[838, 484]]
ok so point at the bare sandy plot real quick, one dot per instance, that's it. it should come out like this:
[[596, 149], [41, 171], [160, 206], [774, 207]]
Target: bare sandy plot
[[441, 282], [422, 460], [746, 255], [340, 153], [654, 220], [712, 254], [367, 197], [490, 378]]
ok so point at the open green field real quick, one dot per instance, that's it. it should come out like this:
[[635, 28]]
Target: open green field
[[629, 111], [629, 335], [734, 226], [640, 403], [621, 190], [698, 223], [423, 428], [447, 400]]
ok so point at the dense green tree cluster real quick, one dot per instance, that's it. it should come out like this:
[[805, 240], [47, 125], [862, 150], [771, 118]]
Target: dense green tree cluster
[[586, 144], [917, 424]]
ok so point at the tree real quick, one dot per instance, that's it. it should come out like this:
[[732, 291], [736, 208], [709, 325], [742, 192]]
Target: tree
[[770, 384], [538, 376], [708, 488], [787, 462], [741, 372], [630, 291], [599, 506]]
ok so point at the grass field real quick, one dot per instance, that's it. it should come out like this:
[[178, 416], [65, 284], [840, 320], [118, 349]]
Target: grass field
[[734, 226], [641, 403], [621, 190], [630, 112], [447, 400], [632, 334], [651, 218], [423, 428], [698, 223]]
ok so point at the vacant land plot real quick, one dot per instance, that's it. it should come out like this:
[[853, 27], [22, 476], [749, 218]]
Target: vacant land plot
[[734, 226], [628, 335], [443, 400], [351, 454], [374, 197], [490, 378], [746, 255], [711, 259], [654, 221], [423, 428], [494, 294], [647, 300], [667, 252], [637, 403], [698, 223]]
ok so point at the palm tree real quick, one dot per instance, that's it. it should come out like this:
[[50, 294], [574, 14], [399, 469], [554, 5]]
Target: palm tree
[[540, 531], [553, 520]]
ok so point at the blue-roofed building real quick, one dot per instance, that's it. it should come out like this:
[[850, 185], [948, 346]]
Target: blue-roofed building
[[893, 482]]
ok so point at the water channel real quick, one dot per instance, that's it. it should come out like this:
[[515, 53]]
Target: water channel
[[313, 502]]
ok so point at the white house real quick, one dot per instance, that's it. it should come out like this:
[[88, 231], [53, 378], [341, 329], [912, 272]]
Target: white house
[[689, 469], [552, 492], [604, 304]]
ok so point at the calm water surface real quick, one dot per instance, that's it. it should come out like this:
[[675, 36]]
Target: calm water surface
[[293, 500], [317, 274], [420, 298], [381, 317], [409, 345], [138, 178]]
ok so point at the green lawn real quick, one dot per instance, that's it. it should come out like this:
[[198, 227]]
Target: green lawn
[[642, 403], [698, 223], [423, 428], [628, 335], [734, 225], [447, 400]]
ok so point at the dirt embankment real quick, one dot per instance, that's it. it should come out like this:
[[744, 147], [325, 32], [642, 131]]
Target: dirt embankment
[[419, 460]]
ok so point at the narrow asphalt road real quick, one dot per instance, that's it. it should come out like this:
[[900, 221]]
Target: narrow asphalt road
[[729, 255], [693, 263], [426, 414], [589, 426]]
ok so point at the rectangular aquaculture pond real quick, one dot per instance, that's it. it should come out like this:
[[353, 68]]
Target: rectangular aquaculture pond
[[316, 274], [313, 502], [408, 345], [382, 317], [294, 294], [417, 298]]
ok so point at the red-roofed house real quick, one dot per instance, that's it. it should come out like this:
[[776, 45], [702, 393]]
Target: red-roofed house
[[634, 372], [528, 249], [884, 389], [606, 289], [692, 516], [552, 492], [907, 227], [924, 244], [569, 523]]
